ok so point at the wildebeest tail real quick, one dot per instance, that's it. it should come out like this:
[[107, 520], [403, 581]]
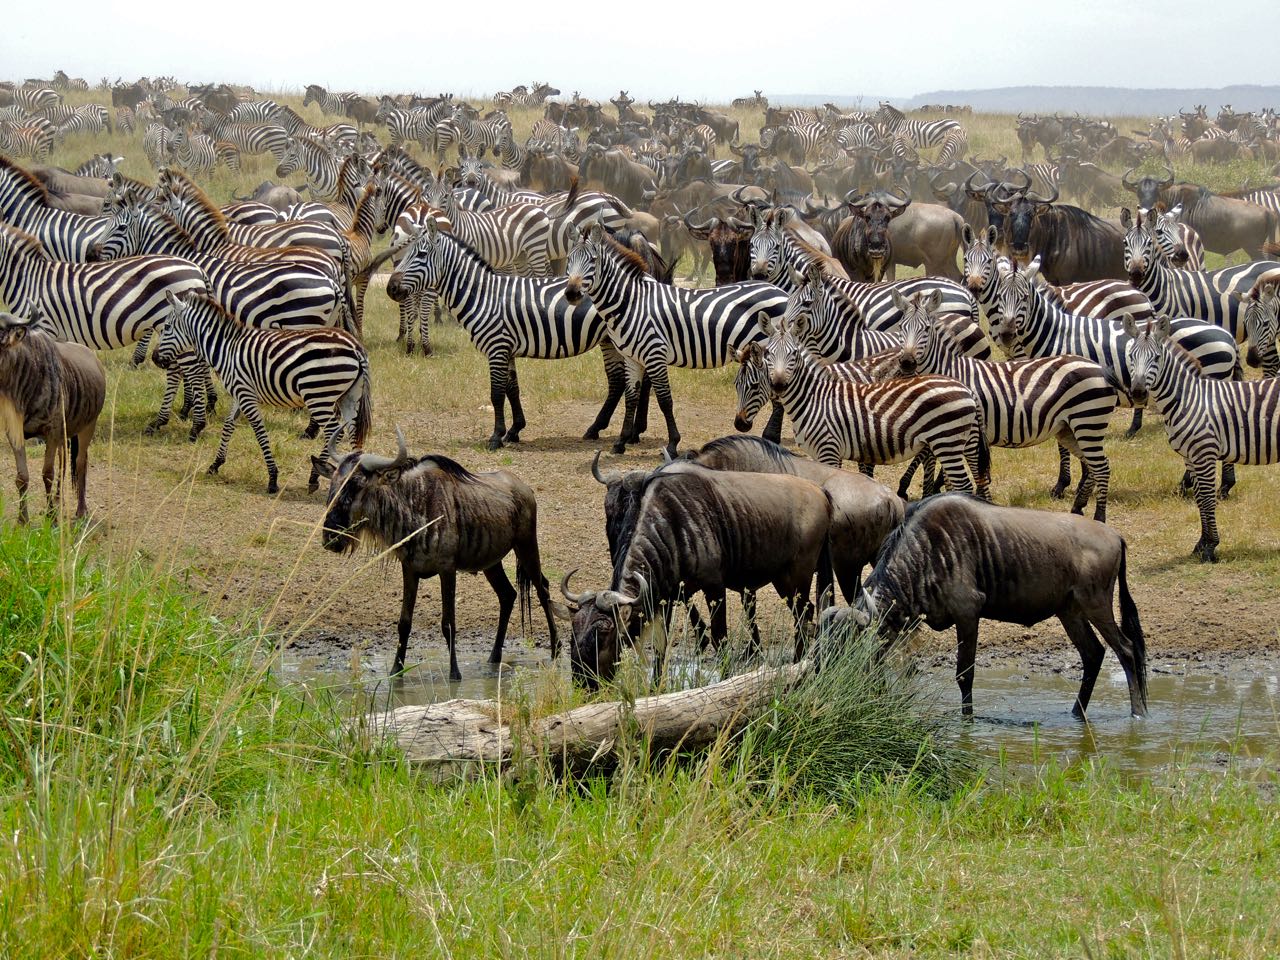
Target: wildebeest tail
[[1130, 626], [826, 572]]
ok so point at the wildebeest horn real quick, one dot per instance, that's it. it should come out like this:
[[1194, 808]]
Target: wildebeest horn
[[1016, 189], [600, 477], [978, 192], [904, 200], [854, 199], [1039, 199], [705, 225], [578, 598], [1126, 182], [1169, 181], [608, 599]]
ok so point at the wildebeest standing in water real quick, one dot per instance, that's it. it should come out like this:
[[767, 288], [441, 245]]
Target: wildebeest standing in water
[[439, 518], [957, 560], [51, 390]]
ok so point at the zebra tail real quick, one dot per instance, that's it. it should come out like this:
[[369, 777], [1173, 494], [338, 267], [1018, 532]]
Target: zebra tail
[[1130, 626], [984, 456], [570, 199], [360, 394]]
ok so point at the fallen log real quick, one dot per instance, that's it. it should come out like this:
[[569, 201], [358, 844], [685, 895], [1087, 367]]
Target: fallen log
[[463, 737]]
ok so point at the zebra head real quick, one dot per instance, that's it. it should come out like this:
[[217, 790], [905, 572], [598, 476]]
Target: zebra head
[[917, 326], [1261, 316], [175, 330], [421, 265], [1147, 352], [1168, 236], [751, 384], [119, 238], [1140, 249], [1015, 291], [291, 162], [582, 264], [783, 346], [980, 262], [767, 244]]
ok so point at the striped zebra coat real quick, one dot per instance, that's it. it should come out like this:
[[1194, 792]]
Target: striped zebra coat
[[836, 419], [507, 317], [324, 370], [24, 204], [516, 237], [1206, 420], [659, 326], [1022, 402]]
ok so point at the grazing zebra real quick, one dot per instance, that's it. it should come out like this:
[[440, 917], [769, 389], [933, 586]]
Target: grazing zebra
[[875, 423], [1043, 328], [921, 133], [524, 98], [334, 103], [659, 326], [1022, 402], [126, 120], [24, 204], [90, 118], [324, 370], [507, 317], [1178, 242], [474, 135], [34, 138], [338, 134], [193, 152], [62, 82], [515, 237], [1211, 296], [100, 305], [155, 144], [1207, 420], [780, 257]]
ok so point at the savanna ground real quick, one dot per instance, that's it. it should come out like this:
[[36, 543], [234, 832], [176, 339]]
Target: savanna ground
[[165, 795]]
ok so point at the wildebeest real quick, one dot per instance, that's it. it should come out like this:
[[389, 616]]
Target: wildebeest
[[862, 243], [439, 518], [730, 242], [957, 560], [281, 196], [1073, 244], [698, 530], [53, 390]]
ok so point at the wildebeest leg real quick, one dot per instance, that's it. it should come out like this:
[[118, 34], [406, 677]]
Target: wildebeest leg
[[1207, 501], [80, 450], [966, 654], [1091, 655], [797, 598], [55, 449], [448, 624], [1064, 473], [140, 350], [662, 389], [1135, 425], [719, 620], [499, 368], [773, 429], [517, 410], [408, 599], [501, 584], [615, 375]]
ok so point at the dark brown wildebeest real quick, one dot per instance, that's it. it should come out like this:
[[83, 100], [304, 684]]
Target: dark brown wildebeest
[[862, 242], [700, 531], [438, 518], [1073, 244], [957, 560], [52, 390]]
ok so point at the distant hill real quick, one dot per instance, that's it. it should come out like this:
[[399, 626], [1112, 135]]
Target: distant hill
[[1098, 101]]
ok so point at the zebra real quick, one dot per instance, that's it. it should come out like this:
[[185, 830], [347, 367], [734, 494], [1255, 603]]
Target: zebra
[[515, 237], [259, 113], [35, 99], [24, 204], [1267, 197], [155, 144], [1043, 328], [193, 152], [126, 120], [922, 133], [1211, 296], [101, 166], [1206, 420], [90, 118], [335, 133], [319, 165], [62, 82], [508, 317], [101, 305], [32, 139], [406, 126], [658, 326], [874, 423], [779, 257], [324, 370], [1022, 402], [334, 103], [1262, 321], [473, 135], [1178, 242], [250, 138]]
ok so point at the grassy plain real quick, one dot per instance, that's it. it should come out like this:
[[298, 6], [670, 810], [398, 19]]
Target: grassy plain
[[163, 794]]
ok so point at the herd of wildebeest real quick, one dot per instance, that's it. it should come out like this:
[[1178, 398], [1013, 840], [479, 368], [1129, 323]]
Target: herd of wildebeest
[[567, 243]]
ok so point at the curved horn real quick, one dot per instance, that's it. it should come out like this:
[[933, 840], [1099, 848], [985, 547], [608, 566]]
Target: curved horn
[[854, 199], [1168, 182], [402, 448], [904, 200], [705, 225], [1025, 176], [1039, 199], [578, 598], [600, 477], [607, 599], [978, 193], [1126, 182]]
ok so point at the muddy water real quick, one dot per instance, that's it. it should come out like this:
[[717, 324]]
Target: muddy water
[[1207, 720]]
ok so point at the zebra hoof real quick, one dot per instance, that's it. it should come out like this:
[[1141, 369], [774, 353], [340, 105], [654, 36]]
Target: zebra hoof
[[313, 485], [213, 469], [273, 487], [152, 428], [1057, 493], [408, 349], [427, 350]]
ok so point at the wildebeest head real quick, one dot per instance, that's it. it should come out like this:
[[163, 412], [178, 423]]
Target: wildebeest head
[[1015, 289], [1139, 244], [1021, 210], [354, 484], [1147, 189], [730, 242], [750, 156], [602, 622], [1148, 352], [877, 210], [917, 326]]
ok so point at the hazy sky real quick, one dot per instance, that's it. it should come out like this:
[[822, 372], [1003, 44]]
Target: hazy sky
[[653, 48]]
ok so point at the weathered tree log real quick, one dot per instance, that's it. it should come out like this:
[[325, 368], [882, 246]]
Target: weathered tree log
[[461, 737]]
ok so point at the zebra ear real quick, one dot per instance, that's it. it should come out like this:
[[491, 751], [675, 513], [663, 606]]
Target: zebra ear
[[1164, 328], [933, 301], [899, 300], [765, 321], [1130, 326], [992, 235], [1033, 268], [966, 234], [1126, 217]]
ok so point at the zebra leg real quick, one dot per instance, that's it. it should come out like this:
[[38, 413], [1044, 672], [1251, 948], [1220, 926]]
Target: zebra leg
[[1228, 480], [1207, 500], [641, 423], [1135, 425], [228, 428], [517, 410], [499, 365], [140, 350], [904, 485], [171, 378], [662, 388], [254, 416], [972, 456], [406, 320], [1064, 474], [956, 471], [206, 398], [773, 429], [615, 375]]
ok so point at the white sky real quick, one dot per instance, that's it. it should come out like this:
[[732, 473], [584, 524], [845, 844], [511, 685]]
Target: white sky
[[698, 52]]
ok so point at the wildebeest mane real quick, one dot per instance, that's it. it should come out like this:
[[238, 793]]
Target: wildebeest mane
[[778, 454], [450, 467]]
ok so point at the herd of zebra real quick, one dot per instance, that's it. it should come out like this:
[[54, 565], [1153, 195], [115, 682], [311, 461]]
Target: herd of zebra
[[267, 294]]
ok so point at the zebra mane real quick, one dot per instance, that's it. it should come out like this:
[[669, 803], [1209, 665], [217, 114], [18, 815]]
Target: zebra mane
[[202, 301], [199, 198], [29, 182], [25, 242], [1184, 358], [826, 262]]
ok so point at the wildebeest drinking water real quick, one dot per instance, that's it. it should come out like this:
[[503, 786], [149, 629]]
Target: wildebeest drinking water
[[957, 560], [439, 518]]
